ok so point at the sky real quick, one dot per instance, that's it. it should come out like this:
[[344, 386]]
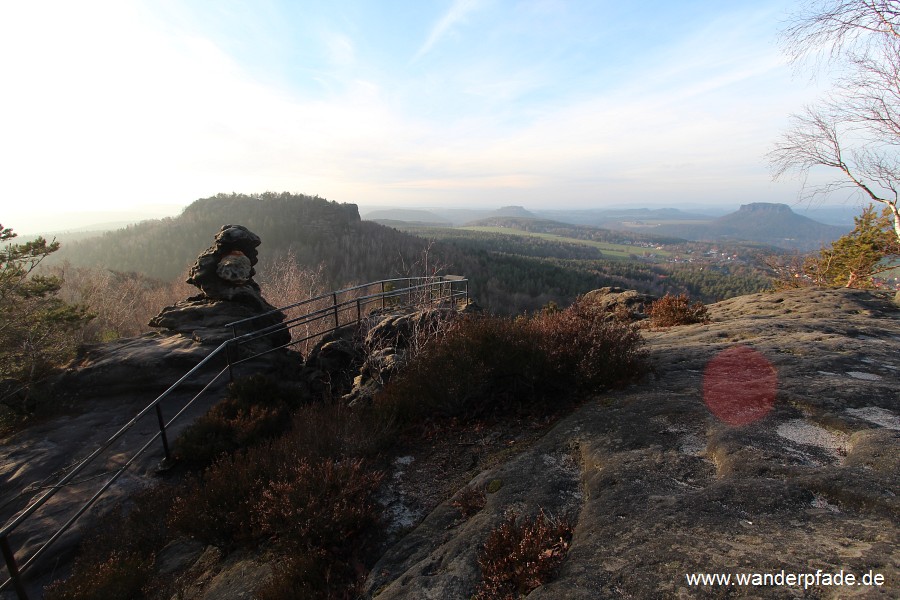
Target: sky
[[128, 105]]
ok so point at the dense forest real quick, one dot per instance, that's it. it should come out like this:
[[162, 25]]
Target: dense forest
[[508, 273]]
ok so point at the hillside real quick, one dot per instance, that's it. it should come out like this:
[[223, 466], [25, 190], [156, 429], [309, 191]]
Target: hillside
[[314, 228], [390, 216], [507, 275], [624, 218], [761, 222], [764, 441], [580, 232]]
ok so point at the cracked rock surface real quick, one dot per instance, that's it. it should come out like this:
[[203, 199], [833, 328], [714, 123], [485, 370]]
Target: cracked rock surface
[[658, 487]]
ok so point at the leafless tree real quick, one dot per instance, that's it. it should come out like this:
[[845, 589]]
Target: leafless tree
[[855, 129]]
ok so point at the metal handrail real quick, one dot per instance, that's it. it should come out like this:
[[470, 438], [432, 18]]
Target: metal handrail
[[17, 571]]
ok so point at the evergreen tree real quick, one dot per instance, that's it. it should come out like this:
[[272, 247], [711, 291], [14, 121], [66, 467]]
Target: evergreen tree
[[35, 325], [855, 259]]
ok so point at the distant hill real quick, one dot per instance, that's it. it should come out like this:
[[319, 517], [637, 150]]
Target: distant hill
[[764, 223], [320, 232], [514, 211], [391, 216], [316, 230], [508, 274], [623, 218], [442, 217], [583, 232]]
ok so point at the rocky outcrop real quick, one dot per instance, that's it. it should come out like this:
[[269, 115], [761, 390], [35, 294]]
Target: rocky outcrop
[[190, 329], [616, 303], [224, 274], [355, 362], [659, 485]]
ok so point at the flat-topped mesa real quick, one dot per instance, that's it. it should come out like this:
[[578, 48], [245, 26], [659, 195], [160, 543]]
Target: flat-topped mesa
[[224, 274]]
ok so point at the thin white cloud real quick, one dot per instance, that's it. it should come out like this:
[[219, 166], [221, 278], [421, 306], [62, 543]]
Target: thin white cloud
[[341, 51], [456, 14], [130, 111]]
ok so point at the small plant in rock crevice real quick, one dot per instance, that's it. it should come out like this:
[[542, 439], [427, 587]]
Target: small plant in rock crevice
[[470, 501], [521, 555]]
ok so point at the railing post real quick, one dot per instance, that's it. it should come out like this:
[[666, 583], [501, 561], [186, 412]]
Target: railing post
[[358, 312], [334, 305], [13, 568], [228, 359], [382, 295], [163, 436]]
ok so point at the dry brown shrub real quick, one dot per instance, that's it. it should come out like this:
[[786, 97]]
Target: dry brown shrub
[[325, 504], [219, 507], [521, 555], [470, 501], [255, 409], [589, 351], [122, 576], [123, 302], [482, 365], [671, 310], [117, 560]]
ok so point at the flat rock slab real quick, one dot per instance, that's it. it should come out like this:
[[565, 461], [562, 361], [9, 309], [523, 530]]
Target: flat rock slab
[[658, 487], [104, 390]]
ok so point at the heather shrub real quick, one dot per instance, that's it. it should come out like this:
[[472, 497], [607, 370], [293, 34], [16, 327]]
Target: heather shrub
[[671, 310], [587, 351], [255, 409], [470, 501], [218, 507], [521, 555], [478, 366], [323, 504], [116, 561], [317, 461], [314, 575], [334, 430], [122, 576], [487, 364]]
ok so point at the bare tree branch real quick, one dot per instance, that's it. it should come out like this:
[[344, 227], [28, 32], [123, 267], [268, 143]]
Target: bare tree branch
[[855, 130]]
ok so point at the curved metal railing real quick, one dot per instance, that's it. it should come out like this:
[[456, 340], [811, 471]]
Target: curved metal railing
[[316, 316]]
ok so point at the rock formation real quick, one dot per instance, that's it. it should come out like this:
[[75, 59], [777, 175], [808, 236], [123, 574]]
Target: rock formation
[[619, 304], [190, 330], [658, 486], [224, 274], [355, 362]]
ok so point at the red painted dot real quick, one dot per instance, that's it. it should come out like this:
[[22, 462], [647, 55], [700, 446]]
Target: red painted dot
[[739, 386]]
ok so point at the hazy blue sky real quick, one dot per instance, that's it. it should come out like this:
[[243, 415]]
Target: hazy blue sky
[[543, 103]]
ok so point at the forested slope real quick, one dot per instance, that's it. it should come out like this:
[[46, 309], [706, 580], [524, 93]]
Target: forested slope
[[508, 274]]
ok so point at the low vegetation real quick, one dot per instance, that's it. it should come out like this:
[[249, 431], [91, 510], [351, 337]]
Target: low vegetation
[[469, 501], [854, 261], [306, 494], [492, 365], [254, 410], [35, 325], [670, 311], [117, 561], [268, 470], [521, 555]]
